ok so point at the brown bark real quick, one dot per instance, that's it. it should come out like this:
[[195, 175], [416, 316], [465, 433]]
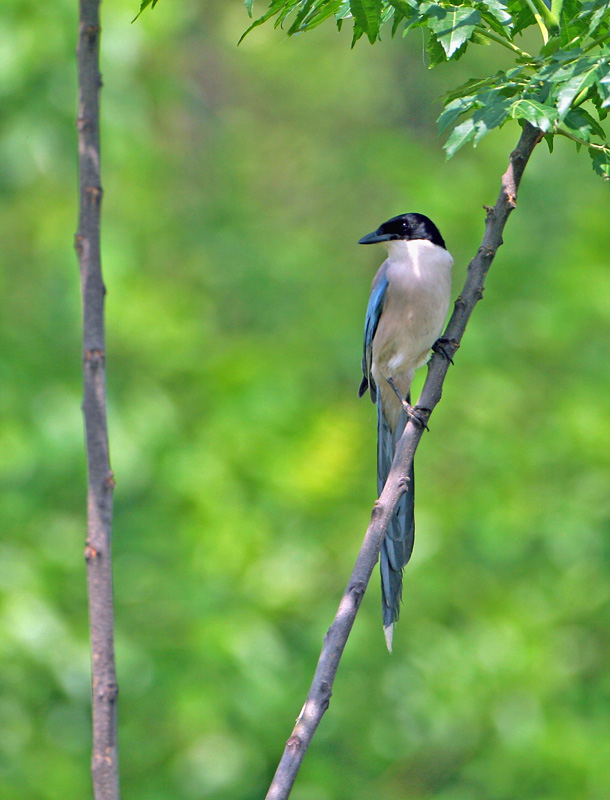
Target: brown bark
[[100, 482]]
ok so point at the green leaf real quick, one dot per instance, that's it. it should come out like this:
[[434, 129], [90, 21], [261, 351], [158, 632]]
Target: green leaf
[[522, 15], [493, 115], [248, 5], [313, 13], [479, 38], [453, 111], [144, 4], [367, 13], [583, 124], [452, 25], [398, 18], [288, 7], [574, 86], [553, 44], [603, 86], [322, 12], [405, 8], [344, 10], [459, 136], [276, 7], [488, 20], [593, 13], [601, 162], [537, 114], [356, 33], [435, 51], [471, 86], [300, 16], [498, 10]]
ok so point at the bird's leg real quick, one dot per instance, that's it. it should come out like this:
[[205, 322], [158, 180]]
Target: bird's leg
[[442, 346], [412, 412]]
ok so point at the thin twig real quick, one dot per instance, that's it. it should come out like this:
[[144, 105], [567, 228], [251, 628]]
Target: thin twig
[[100, 484], [501, 41], [334, 642]]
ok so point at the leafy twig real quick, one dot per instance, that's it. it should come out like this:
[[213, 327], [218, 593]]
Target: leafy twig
[[504, 42], [334, 642], [581, 142], [595, 43], [104, 761]]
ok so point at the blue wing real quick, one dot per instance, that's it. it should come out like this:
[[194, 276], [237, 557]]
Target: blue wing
[[373, 314]]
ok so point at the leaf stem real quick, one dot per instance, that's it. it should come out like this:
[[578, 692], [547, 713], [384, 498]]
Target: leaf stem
[[551, 20], [556, 10], [538, 18], [504, 42], [563, 132], [595, 43]]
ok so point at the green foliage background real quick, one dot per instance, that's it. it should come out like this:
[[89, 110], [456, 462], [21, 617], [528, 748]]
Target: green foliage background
[[237, 181]]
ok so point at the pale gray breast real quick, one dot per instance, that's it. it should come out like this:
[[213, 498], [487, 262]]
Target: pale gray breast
[[417, 301]]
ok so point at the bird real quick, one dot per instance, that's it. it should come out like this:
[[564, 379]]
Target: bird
[[406, 312]]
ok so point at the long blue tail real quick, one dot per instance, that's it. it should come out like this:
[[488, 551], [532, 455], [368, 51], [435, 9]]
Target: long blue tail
[[397, 545]]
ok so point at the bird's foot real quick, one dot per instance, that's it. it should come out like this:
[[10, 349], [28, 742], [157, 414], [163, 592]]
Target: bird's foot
[[446, 347], [418, 414]]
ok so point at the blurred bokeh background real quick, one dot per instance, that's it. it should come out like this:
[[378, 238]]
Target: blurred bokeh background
[[237, 182]]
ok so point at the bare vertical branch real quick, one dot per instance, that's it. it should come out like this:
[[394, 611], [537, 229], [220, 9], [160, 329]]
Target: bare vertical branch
[[104, 762], [320, 691]]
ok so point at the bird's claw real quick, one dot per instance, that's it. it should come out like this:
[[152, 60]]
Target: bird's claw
[[442, 345], [418, 414]]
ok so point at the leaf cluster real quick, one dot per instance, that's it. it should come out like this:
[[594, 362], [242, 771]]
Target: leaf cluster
[[563, 89]]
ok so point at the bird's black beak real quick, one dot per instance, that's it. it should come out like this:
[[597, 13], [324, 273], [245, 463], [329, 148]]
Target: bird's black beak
[[375, 237]]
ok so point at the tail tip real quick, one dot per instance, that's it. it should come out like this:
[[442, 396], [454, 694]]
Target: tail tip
[[388, 632]]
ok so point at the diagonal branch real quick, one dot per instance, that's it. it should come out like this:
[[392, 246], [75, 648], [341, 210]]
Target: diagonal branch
[[104, 762], [334, 642]]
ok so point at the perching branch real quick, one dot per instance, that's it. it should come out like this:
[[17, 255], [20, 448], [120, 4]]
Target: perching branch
[[334, 642], [100, 485]]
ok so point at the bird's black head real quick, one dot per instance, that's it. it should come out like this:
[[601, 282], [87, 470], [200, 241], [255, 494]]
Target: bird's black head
[[407, 227]]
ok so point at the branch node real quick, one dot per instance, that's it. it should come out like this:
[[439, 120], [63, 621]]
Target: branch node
[[489, 212], [94, 193], [91, 553], [357, 589], [109, 481], [325, 694], [377, 510], [293, 744], [403, 483], [486, 252], [94, 358], [91, 32], [110, 692]]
